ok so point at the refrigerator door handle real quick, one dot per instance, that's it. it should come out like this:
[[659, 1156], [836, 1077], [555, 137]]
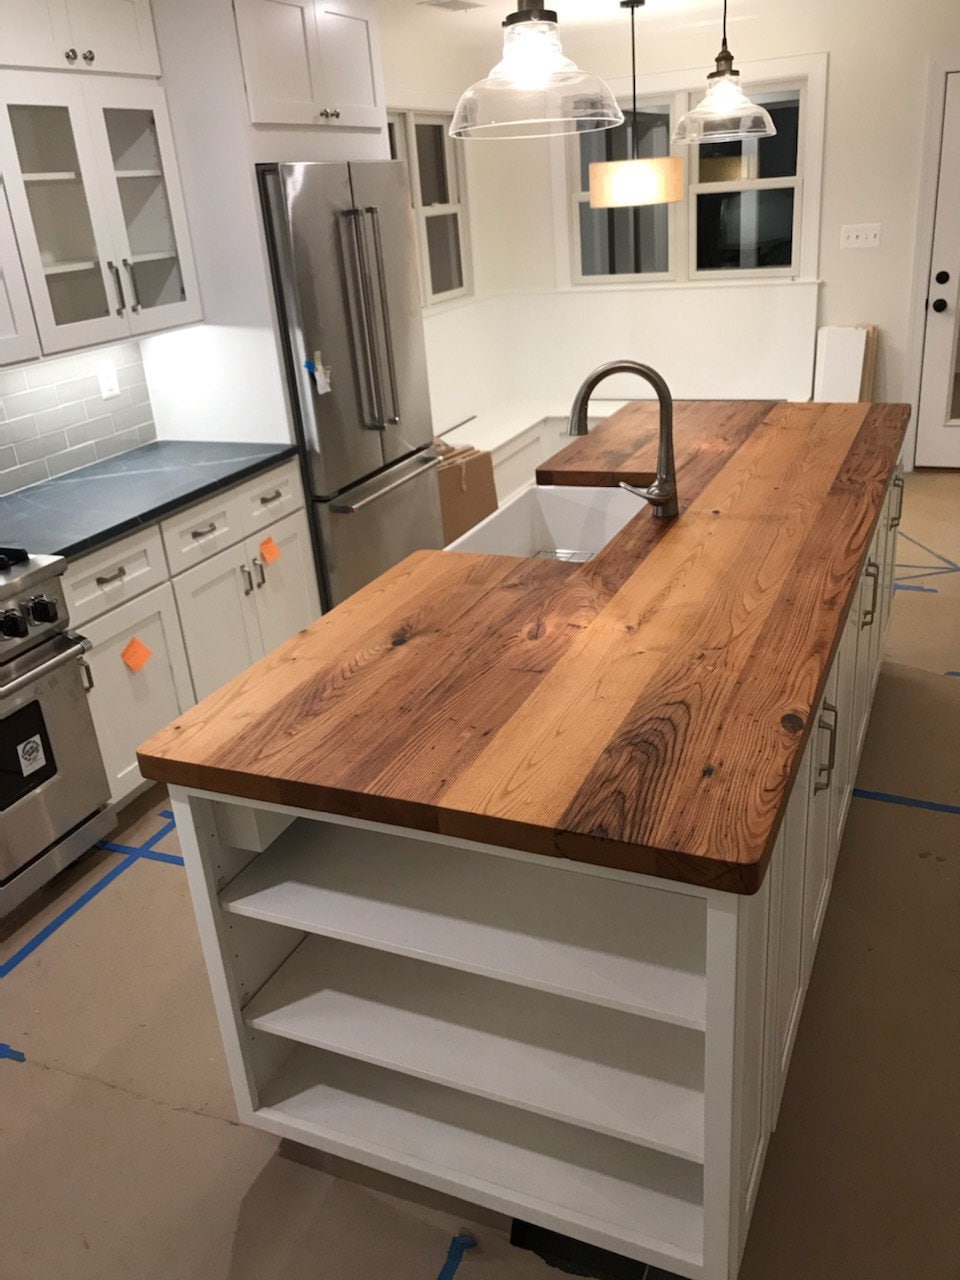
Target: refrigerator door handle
[[347, 509], [373, 213], [371, 381]]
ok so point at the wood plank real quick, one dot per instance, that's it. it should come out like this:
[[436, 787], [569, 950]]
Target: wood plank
[[646, 710]]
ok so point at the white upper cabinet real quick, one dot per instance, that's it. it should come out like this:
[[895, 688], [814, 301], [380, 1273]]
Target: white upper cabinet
[[19, 339], [92, 186], [311, 62], [85, 35]]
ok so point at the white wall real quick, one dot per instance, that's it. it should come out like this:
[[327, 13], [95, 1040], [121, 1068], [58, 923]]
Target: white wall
[[223, 380], [878, 80]]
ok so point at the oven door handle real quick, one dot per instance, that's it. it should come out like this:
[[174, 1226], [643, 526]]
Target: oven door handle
[[80, 646]]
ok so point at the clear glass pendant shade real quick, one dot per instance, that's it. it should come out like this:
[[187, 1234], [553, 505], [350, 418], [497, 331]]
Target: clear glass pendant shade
[[725, 114], [534, 92]]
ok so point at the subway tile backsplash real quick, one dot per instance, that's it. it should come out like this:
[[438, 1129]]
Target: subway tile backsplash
[[53, 418]]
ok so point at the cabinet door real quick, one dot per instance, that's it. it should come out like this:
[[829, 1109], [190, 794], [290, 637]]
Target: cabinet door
[[219, 619], [127, 705], [281, 65], [891, 516], [19, 339], [822, 808], [286, 593], [36, 33], [51, 175], [845, 701], [114, 35], [352, 89], [131, 132]]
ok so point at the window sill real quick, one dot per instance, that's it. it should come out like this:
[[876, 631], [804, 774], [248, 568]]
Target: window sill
[[633, 286]]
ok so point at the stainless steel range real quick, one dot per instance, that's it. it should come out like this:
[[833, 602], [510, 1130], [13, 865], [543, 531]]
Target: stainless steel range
[[54, 796]]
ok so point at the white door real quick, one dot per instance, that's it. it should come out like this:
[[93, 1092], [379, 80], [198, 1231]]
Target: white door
[[219, 619], [114, 35], [286, 593], [53, 185], [36, 33], [134, 144], [938, 421], [281, 66], [129, 704], [352, 91], [19, 339]]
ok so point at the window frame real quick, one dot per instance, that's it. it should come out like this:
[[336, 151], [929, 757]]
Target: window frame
[[806, 73], [404, 124]]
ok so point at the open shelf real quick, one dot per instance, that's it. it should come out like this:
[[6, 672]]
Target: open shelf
[[604, 941], [68, 268], [604, 1191], [51, 177], [611, 1072]]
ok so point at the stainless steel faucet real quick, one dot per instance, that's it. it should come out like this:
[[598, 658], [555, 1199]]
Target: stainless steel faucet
[[662, 494]]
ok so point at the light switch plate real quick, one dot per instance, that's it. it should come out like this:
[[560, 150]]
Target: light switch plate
[[860, 235], [107, 377]]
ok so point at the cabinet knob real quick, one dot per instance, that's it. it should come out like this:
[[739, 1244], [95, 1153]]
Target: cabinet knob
[[942, 277], [323, 115], [335, 113], [88, 56], [939, 305], [71, 55]]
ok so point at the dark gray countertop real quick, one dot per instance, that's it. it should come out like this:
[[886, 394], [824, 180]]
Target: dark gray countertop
[[83, 509]]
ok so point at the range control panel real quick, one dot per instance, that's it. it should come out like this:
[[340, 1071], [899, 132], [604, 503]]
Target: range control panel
[[30, 616]]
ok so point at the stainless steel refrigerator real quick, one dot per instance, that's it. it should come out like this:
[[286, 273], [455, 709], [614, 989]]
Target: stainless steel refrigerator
[[343, 255]]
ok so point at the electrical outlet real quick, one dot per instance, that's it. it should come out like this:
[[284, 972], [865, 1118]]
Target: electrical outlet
[[107, 376], [860, 235]]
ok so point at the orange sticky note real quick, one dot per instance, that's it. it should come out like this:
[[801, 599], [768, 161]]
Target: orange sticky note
[[136, 654], [269, 551]]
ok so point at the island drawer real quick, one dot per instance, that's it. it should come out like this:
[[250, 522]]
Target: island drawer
[[114, 574]]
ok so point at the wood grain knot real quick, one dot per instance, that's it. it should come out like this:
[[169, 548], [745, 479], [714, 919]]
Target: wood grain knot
[[708, 772], [792, 722]]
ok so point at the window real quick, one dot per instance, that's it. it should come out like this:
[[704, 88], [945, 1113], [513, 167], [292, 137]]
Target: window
[[436, 192], [624, 242], [743, 213]]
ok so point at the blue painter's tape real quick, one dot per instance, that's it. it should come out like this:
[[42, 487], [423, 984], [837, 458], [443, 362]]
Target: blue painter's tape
[[907, 801], [59, 921], [151, 855], [160, 835], [952, 673], [165, 813], [930, 551], [911, 586], [458, 1247], [13, 1054]]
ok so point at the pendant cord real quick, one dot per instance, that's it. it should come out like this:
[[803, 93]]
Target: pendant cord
[[724, 24], [633, 64]]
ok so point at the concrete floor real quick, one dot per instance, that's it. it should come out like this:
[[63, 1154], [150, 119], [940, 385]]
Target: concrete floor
[[121, 1157]]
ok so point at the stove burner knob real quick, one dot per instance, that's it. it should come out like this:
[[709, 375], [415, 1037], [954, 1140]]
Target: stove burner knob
[[13, 625], [43, 610]]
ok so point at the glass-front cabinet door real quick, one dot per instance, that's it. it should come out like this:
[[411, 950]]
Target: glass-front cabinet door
[[19, 339], [131, 132], [56, 201]]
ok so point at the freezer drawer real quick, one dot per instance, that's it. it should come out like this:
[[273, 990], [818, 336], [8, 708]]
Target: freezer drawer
[[374, 526]]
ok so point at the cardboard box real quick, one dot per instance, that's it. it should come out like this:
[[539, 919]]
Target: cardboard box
[[467, 493]]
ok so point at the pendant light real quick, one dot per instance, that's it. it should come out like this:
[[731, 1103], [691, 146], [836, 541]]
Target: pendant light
[[534, 91], [618, 184], [725, 114]]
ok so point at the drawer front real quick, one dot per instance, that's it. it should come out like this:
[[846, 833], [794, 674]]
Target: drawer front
[[194, 535], [271, 497], [111, 576]]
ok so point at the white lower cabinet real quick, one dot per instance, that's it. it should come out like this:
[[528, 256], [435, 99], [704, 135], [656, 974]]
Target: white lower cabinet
[[236, 607], [129, 705]]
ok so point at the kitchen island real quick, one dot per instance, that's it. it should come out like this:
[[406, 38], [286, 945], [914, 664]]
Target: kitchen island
[[509, 873]]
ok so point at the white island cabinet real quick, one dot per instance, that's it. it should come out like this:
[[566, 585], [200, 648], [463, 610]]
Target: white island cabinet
[[598, 1052]]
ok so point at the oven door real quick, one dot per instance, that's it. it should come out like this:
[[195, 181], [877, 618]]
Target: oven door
[[51, 773]]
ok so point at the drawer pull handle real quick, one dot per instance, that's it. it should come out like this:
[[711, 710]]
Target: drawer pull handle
[[86, 676], [827, 769], [107, 578], [261, 575], [268, 498], [872, 571], [197, 534], [247, 580], [897, 484]]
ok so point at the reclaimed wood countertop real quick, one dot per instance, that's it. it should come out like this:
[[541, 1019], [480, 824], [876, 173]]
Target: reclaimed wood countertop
[[646, 710]]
